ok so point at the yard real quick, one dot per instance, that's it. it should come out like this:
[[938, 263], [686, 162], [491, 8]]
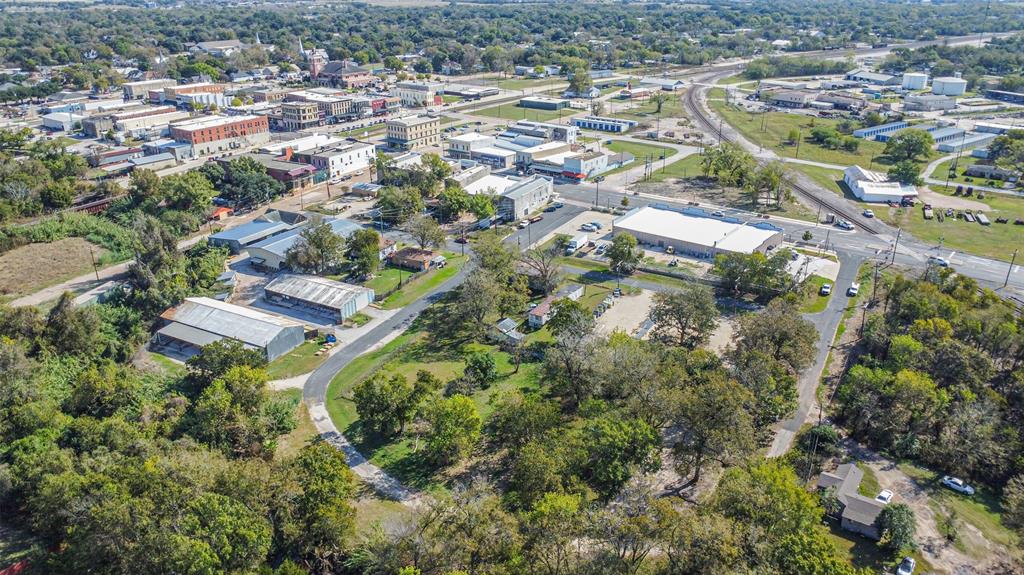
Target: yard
[[640, 151], [302, 359], [32, 267], [688, 167], [771, 130], [411, 290], [647, 111], [996, 241], [942, 170], [813, 301], [514, 112]]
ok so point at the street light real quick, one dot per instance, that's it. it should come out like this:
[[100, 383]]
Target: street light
[[597, 190]]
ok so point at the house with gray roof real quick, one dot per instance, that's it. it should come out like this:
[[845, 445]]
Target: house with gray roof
[[200, 321], [859, 513]]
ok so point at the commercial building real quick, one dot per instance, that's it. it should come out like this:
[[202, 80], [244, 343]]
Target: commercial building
[[1005, 96], [544, 131], [270, 254], [666, 84], [946, 134], [62, 121], [928, 103], [339, 160], [949, 86], [603, 124], [989, 172], [203, 100], [335, 300], [543, 103], [269, 224], [495, 157], [872, 131], [842, 101], [302, 144], [528, 156], [994, 128], [416, 259], [344, 75], [863, 76], [413, 132], [585, 165], [524, 197], [172, 93], [914, 81], [967, 142], [300, 115], [97, 126], [113, 156], [461, 147], [269, 95], [417, 94], [200, 321], [330, 106], [875, 187], [219, 48], [155, 162], [693, 231], [139, 90], [791, 98], [212, 134]]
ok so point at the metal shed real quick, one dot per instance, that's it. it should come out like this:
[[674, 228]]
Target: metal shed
[[319, 295]]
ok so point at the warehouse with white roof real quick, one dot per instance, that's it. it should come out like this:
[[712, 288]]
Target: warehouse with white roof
[[694, 232], [200, 321], [318, 295], [875, 187]]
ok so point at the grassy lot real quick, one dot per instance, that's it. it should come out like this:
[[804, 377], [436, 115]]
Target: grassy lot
[[942, 170], [646, 112], [982, 510], [824, 177], [289, 445], [639, 151], [358, 132], [813, 301], [776, 131], [417, 288], [514, 112], [862, 552], [716, 94], [450, 99], [21, 271], [995, 241], [298, 361], [371, 511], [688, 167], [358, 319], [170, 366]]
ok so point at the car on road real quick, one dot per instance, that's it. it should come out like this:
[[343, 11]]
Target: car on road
[[907, 566], [601, 249], [845, 225], [588, 228], [524, 223], [868, 213], [853, 290], [941, 262], [550, 209], [558, 205], [536, 219], [884, 497], [718, 214], [826, 289], [957, 484]]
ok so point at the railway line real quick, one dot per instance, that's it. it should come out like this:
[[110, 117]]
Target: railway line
[[692, 104]]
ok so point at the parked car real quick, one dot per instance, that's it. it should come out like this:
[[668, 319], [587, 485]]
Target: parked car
[[596, 225], [550, 209], [558, 205], [907, 566], [718, 214], [868, 214], [536, 219], [588, 228], [884, 497], [826, 289], [941, 262], [524, 223], [853, 290], [958, 485], [843, 224]]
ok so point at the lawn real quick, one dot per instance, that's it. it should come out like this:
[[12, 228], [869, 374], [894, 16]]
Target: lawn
[[640, 152], [982, 510], [942, 170], [450, 99], [772, 131], [869, 486], [647, 111], [514, 112], [357, 319], [995, 241], [32, 267], [688, 167], [423, 284], [358, 132], [862, 552], [302, 359], [813, 301], [288, 445]]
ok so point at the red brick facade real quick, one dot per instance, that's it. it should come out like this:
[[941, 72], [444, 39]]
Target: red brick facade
[[236, 129]]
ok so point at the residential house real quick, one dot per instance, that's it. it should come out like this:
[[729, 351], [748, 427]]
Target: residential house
[[416, 259], [859, 513]]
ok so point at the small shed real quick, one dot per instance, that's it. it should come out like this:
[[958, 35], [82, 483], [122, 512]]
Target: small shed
[[504, 331]]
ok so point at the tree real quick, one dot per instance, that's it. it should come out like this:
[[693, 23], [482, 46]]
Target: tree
[[11, 139], [716, 427], [779, 332], [478, 296], [623, 254], [453, 201], [581, 80], [481, 369], [906, 172], [71, 330], [765, 187], [215, 359], [518, 419], [614, 447], [324, 508], [770, 382], [364, 252], [551, 529], [686, 316], [454, 429], [544, 266], [426, 231], [767, 496], [385, 404], [659, 98], [755, 273], [317, 250], [793, 136], [567, 362], [898, 527], [397, 205], [909, 145], [1013, 502], [187, 191]]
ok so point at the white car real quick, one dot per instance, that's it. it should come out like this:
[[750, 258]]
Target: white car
[[524, 223], [958, 485], [853, 290], [884, 497], [907, 566], [941, 262], [843, 224], [868, 214], [826, 289], [588, 228]]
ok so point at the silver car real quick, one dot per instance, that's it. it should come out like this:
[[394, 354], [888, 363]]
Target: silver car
[[958, 485]]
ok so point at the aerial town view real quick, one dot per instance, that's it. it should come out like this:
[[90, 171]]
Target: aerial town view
[[511, 287]]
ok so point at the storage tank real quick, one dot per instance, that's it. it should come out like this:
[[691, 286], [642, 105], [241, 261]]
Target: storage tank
[[914, 81], [949, 86]]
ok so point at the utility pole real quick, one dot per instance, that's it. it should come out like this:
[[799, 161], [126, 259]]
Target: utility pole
[[799, 137], [597, 190], [1010, 269], [896, 244], [92, 256], [874, 285]]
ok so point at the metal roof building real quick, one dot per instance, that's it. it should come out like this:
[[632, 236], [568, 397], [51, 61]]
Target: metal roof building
[[271, 252], [200, 321], [319, 295], [239, 237], [694, 231]]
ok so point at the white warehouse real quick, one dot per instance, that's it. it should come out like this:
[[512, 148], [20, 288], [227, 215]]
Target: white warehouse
[[875, 187], [695, 232], [949, 86]]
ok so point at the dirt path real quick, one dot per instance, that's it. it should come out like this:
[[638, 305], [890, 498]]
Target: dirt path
[[988, 556]]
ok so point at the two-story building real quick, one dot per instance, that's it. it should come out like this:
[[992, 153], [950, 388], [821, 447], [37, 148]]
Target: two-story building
[[413, 132]]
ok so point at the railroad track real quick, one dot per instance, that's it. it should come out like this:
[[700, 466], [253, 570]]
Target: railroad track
[[691, 103]]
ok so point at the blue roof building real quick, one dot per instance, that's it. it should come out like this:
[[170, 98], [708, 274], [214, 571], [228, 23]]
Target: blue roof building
[[271, 252]]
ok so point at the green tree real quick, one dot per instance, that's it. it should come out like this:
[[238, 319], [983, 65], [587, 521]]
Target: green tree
[[324, 508], [757, 274], [624, 255], [518, 419], [615, 447], [909, 145], [317, 250], [215, 359], [187, 191], [397, 205], [685, 316], [906, 172], [781, 333], [364, 252], [481, 369], [385, 404], [898, 527], [717, 428], [238, 538], [454, 429], [1013, 501], [426, 231]]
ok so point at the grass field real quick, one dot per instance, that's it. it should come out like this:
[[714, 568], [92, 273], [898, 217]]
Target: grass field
[[688, 167], [289, 445], [813, 301], [647, 111], [514, 112], [298, 361], [33, 267], [942, 170], [421, 285], [777, 126], [450, 99], [996, 241]]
